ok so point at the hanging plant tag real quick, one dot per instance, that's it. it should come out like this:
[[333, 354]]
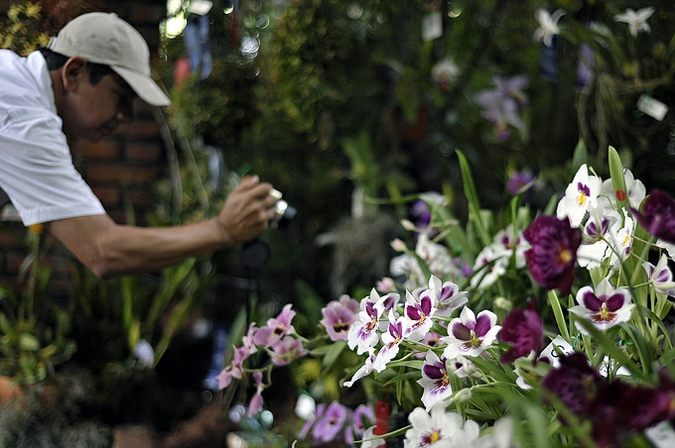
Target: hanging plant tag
[[200, 7], [652, 107], [432, 26], [661, 435], [552, 354]]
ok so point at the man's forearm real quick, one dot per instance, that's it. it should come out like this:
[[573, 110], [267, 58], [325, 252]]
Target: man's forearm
[[111, 250]]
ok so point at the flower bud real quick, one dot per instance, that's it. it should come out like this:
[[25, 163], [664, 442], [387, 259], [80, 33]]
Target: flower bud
[[408, 225], [502, 303], [386, 285], [398, 245], [462, 396]]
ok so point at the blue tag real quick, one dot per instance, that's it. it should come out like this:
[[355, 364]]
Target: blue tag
[[549, 60]]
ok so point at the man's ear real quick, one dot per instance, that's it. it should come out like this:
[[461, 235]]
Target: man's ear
[[73, 73]]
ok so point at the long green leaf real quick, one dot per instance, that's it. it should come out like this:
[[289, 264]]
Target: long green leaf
[[558, 314], [616, 172], [472, 198]]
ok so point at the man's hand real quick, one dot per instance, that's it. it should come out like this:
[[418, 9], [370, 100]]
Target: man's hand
[[247, 211]]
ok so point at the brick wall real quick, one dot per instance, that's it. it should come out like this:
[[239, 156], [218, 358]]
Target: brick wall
[[122, 168]]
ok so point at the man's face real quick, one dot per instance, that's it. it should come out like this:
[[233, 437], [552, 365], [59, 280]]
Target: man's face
[[94, 111]]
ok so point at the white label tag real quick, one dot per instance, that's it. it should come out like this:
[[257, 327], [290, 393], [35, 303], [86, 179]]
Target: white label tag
[[200, 7], [654, 108], [661, 435], [606, 367], [552, 354], [432, 26]]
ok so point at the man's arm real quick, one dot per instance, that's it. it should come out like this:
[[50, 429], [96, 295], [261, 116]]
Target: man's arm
[[110, 249]]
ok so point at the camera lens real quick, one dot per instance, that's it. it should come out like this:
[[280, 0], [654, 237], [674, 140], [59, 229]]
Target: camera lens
[[283, 213]]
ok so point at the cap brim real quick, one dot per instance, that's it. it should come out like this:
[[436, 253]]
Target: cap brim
[[144, 86]]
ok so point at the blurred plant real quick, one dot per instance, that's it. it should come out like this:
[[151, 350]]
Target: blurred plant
[[503, 105], [627, 68], [21, 33], [30, 24], [35, 330]]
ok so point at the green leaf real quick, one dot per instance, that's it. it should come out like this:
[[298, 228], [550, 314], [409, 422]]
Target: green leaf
[[332, 355], [28, 342], [616, 172], [174, 278], [5, 326], [475, 214], [558, 314], [580, 156], [611, 348]]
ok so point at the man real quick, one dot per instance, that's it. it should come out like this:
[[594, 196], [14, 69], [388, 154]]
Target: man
[[83, 85]]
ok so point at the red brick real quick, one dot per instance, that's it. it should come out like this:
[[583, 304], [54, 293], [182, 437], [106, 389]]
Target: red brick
[[147, 13], [12, 238], [14, 261], [118, 7], [107, 195], [104, 149], [120, 216], [139, 129], [144, 153], [116, 173], [142, 197]]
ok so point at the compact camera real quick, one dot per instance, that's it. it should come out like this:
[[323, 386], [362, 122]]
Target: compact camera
[[283, 212]]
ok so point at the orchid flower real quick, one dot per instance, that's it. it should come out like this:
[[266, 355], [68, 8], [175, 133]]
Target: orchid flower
[[364, 370], [391, 341], [553, 252], [256, 403], [660, 276], [418, 313], [276, 328], [439, 427], [338, 316], [637, 21], [605, 306], [447, 294], [435, 380], [580, 196], [470, 335], [548, 26], [365, 332]]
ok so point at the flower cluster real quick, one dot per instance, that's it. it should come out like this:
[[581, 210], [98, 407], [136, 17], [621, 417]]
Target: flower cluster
[[572, 351], [613, 322], [278, 340], [336, 422]]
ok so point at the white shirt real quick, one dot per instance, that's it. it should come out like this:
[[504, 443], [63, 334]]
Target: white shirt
[[36, 167]]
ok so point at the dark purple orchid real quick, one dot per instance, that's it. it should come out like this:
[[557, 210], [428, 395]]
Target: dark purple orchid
[[524, 330], [619, 409], [574, 382], [553, 252], [615, 408], [658, 216]]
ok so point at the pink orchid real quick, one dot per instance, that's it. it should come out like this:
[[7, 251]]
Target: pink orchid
[[276, 328]]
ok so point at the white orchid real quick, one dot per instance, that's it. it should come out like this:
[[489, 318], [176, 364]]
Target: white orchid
[[636, 20], [548, 26]]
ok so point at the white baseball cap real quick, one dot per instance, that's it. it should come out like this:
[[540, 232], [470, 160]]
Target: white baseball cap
[[104, 38]]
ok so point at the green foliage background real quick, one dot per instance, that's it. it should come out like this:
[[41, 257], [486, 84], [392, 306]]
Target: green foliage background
[[330, 72]]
